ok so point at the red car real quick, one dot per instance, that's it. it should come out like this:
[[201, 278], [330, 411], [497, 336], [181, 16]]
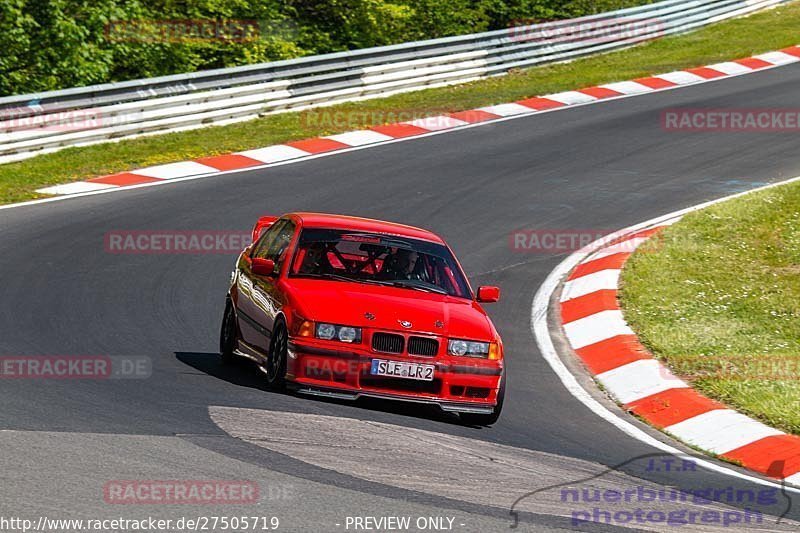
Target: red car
[[347, 307]]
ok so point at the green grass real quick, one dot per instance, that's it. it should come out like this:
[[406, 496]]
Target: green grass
[[723, 41], [717, 297]]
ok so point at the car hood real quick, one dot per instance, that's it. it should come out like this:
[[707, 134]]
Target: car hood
[[381, 307]]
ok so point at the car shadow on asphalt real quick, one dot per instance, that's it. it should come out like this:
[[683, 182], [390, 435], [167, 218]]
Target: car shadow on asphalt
[[242, 373], [245, 373]]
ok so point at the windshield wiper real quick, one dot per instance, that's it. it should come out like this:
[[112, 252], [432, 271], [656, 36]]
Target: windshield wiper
[[418, 285], [338, 277]]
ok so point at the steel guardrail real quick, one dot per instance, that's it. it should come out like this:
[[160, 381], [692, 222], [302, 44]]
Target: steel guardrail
[[37, 123]]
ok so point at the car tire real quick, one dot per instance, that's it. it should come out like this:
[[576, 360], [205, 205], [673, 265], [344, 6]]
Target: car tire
[[474, 419], [276, 360], [228, 335]]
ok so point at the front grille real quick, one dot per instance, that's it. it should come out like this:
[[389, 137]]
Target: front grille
[[387, 343], [422, 346]]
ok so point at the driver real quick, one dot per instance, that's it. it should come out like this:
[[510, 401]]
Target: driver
[[402, 265], [316, 259]]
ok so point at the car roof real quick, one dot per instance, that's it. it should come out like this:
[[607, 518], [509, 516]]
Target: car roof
[[367, 225]]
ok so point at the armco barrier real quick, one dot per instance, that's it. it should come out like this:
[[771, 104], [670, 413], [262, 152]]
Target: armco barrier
[[37, 123]]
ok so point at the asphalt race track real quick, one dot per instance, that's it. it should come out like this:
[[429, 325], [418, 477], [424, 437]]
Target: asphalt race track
[[599, 167]]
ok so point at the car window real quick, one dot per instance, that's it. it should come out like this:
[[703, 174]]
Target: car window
[[275, 244], [267, 238], [369, 258]]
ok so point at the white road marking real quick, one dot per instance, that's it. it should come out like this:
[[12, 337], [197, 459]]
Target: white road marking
[[794, 479], [275, 153], [76, 187], [595, 328], [596, 281], [628, 87], [175, 170], [639, 379], [721, 430], [627, 246], [439, 122], [359, 137], [506, 110], [570, 97], [777, 58], [729, 67], [681, 77]]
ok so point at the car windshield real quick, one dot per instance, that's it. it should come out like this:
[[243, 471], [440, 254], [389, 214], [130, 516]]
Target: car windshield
[[380, 259]]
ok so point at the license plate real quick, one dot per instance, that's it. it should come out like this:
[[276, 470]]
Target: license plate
[[402, 369]]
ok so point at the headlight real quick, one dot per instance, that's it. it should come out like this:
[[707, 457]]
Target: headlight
[[326, 331], [347, 334], [468, 348], [341, 333]]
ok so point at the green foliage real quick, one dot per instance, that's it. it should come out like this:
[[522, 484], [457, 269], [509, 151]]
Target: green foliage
[[52, 44], [435, 18], [333, 25]]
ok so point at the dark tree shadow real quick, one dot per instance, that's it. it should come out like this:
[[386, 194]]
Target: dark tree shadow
[[245, 373]]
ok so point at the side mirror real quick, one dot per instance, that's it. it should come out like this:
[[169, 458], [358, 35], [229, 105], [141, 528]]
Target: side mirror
[[262, 225], [263, 267], [488, 294]]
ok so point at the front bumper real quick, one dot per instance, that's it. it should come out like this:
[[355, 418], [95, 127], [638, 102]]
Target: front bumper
[[450, 407], [459, 385]]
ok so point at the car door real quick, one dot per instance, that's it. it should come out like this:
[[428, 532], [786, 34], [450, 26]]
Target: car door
[[260, 299]]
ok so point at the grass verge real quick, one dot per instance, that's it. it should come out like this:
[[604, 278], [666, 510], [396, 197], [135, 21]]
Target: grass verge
[[720, 42], [717, 298]]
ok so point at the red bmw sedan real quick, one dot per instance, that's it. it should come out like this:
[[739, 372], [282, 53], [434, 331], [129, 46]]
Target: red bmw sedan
[[348, 307]]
